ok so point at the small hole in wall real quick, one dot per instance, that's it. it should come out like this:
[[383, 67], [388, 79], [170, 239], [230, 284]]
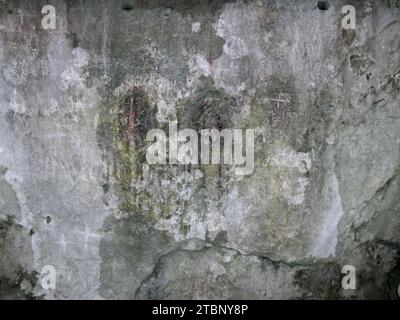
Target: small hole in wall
[[323, 5], [127, 7], [48, 219], [75, 42]]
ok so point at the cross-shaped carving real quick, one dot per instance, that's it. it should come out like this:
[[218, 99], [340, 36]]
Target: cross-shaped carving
[[280, 109]]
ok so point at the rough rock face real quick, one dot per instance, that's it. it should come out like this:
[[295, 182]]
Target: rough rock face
[[77, 193]]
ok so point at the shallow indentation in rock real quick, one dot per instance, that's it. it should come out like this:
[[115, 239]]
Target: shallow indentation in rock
[[121, 134]]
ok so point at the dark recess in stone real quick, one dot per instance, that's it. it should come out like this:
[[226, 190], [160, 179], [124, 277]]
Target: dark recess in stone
[[5, 225], [48, 219], [75, 41], [127, 7], [10, 289], [323, 5]]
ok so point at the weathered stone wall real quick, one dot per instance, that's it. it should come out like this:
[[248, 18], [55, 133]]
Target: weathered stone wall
[[77, 193]]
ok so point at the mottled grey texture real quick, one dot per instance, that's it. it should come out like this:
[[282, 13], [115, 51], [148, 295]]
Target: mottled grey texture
[[76, 192]]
